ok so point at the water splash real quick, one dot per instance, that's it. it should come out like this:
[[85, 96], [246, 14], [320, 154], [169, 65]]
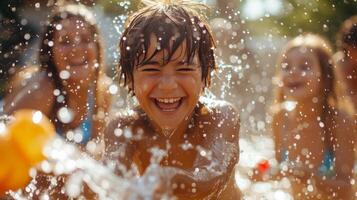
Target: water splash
[[64, 159]]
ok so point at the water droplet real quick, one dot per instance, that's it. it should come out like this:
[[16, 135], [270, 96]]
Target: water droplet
[[60, 99], [65, 115], [315, 100], [127, 133], [118, 132], [321, 124], [78, 136], [64, 74], [56, 92], [113, 89], [310, 188], [2, 128], [37, 117], [289, 105], [27, 36], [59, 27], [50, 43]]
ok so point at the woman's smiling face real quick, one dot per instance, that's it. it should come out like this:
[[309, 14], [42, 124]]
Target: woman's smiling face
[[168, 93], [75, 50]]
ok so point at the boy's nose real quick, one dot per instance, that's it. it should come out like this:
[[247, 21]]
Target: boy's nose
[[167, 82]]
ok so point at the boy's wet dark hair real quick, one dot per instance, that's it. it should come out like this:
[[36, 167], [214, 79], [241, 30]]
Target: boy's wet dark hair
[[172, 24], [347, 36]]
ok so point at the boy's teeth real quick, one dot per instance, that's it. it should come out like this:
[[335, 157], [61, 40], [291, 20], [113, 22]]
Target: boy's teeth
[[168, 100]]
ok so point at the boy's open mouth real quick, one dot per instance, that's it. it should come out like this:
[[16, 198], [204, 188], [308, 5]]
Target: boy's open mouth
[[168, 104]]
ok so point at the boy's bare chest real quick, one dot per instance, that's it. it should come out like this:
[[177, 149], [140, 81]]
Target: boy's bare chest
[[177, 154]]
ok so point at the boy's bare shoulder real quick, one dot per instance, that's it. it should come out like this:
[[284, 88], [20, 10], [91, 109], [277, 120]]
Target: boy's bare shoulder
[[220, 114], [219, 108]]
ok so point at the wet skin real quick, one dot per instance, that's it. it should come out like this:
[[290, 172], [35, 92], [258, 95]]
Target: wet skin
[[170, 118], [214, 129], [168, 92], [300, 74], [74, 50], [306, 140], [312, 140], [347, 70]]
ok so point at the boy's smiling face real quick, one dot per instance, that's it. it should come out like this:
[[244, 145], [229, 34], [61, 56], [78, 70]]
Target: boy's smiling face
[[168, 93]]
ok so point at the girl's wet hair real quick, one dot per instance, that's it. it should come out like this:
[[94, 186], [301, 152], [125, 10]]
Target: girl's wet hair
[[172, 24], [347, 36], [323, 52], [46, 57]]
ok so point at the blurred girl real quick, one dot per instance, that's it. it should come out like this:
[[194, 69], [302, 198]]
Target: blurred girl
[[346, 60], [313, 138], [69, 86]]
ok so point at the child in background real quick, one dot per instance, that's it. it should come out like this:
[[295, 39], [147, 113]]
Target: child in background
[[166, 61], [346, 59], [69, 86], [313, 138]]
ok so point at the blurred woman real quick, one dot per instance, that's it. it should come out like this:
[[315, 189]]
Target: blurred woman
[[69, 86]]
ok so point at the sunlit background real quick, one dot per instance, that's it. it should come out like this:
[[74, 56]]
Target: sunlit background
[[249, 35]]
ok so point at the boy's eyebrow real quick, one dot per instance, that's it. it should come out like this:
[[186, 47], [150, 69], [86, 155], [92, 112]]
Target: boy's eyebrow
[[186, 62]]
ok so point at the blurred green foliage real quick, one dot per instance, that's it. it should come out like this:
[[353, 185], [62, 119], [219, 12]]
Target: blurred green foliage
[[119, 6], [298, 16]]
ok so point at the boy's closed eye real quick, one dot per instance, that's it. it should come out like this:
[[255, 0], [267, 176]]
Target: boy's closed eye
[[149, 69], [150, 66]]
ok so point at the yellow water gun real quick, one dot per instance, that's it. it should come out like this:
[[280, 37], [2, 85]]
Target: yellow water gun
[[22, 140]]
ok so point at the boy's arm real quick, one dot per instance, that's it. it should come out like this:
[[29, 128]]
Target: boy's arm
[[215, 162]]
